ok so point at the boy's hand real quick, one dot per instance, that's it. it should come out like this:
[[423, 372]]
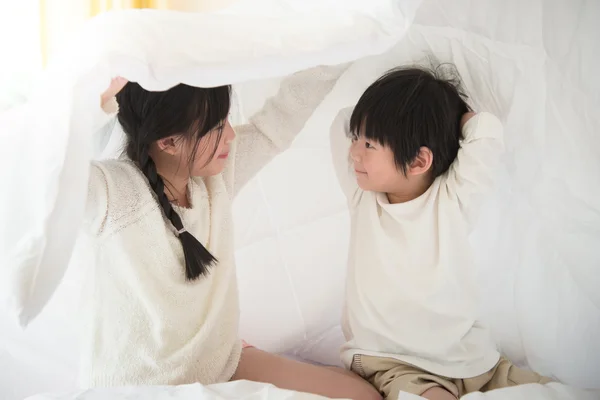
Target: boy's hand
[[466, 117], [116, 84]]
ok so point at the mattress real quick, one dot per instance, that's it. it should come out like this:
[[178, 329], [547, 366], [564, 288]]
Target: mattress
[[536, 242]]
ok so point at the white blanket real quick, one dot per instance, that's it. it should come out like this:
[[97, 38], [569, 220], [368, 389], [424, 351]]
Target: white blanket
[[41, 213]]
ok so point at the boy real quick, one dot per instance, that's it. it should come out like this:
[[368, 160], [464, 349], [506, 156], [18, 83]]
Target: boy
[[414, 182]]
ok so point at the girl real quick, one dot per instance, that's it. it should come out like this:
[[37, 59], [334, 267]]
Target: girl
[[160, 298]]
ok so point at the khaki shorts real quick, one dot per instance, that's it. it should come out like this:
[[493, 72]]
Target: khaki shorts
[[391, 376]]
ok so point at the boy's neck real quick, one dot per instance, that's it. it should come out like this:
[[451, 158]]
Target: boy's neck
[[409, 194]]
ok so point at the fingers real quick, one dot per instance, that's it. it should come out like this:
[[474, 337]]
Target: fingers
[[116, 84]]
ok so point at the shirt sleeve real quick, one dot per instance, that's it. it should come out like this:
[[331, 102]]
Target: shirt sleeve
[[471, 175], [273, 129]]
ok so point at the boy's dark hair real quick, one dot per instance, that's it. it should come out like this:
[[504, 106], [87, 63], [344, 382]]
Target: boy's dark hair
[[408, 108]]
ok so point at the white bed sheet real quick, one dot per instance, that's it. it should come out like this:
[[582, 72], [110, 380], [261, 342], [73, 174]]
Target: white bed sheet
[[226, 391], [260, 391], [537, 242]]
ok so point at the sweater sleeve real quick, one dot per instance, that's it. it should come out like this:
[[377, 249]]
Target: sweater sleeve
[[272, 129], [470, 177], [340, 152], [96, 209]]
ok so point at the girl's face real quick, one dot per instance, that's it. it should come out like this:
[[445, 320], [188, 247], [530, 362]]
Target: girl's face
[[208, 155], [211, 153]]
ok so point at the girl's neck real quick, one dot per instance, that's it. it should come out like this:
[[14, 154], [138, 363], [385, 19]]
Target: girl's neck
[[176, 190], [176, 183]]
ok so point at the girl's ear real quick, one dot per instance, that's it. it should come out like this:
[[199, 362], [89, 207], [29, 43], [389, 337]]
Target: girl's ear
[[167, 145]]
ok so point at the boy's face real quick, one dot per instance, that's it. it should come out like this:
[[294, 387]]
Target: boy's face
[[375, 168]]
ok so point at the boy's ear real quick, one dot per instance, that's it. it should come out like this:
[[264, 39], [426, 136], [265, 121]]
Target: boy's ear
[[422, 162]]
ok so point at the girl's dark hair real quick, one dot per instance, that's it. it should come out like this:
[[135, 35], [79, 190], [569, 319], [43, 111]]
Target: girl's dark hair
[[408, 108], [185, 111]]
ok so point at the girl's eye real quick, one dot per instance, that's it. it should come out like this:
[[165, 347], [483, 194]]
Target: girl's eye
[[368, 145]]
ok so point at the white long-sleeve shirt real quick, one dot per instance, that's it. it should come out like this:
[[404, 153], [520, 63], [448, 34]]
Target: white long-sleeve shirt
[[143, 323], [411, 292]]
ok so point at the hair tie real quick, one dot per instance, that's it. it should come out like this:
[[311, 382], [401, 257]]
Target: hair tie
[[179, 232]]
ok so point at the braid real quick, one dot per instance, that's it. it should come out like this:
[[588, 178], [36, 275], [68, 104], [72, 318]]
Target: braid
[[158, 185], [197, 258]]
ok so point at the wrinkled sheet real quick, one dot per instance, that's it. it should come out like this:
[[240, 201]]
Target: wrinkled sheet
[[261, 391], [231, 390], [537, 240]]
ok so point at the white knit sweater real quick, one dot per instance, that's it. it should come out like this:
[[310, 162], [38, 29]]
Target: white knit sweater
[[411, 291], [143, 323]]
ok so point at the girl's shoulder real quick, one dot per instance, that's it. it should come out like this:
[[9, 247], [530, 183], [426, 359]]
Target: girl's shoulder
[[123, 186], [118, 174]]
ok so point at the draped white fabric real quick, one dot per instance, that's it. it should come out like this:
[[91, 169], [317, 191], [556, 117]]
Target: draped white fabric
[[533, 64]]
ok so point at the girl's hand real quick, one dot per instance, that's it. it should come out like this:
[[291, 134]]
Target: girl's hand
[[116, 84]]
